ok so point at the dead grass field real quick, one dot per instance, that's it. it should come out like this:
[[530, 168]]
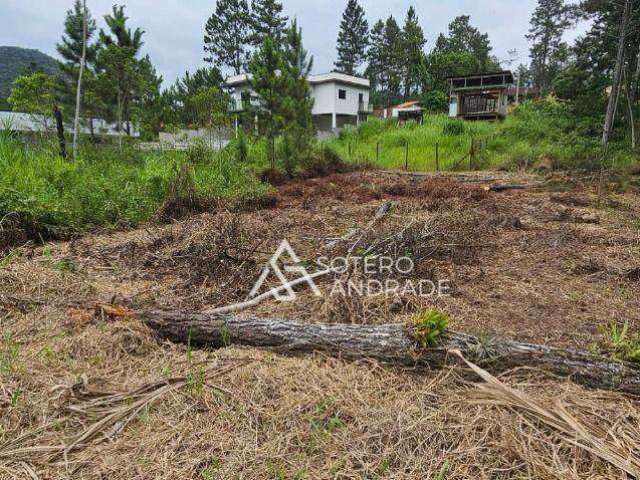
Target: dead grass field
[[544, 265]]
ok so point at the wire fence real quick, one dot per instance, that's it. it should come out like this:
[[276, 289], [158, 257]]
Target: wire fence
[[439, 156]]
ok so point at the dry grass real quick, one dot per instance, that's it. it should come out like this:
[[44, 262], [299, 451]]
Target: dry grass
[[66, 364]]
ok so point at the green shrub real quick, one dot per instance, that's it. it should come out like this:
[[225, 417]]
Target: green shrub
[[436, 101], [242, 148], [199, 152]]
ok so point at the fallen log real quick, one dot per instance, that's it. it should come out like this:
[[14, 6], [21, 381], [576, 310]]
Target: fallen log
[[393, 343]]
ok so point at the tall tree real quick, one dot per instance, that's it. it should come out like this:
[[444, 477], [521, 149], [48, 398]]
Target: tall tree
[[267, 83], [184, 89], [386, 67], [463, 37], [617, 74], [267, 20], [375, 55], [226, 33], [119, 33], [119, 78], [393, 56], [353, 39], [596, 54], [549, 22], [71, 49], [415, 60], [83, 61], [122, 43], [297, 65], [210, 106]]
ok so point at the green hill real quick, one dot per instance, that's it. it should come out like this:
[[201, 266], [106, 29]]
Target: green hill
[[15, 61]]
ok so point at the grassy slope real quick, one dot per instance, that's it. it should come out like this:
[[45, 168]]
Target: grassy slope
[[543, 132], [392, 140]]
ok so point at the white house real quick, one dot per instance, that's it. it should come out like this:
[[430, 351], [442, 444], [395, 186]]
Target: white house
[[339, 99], [31, 122]]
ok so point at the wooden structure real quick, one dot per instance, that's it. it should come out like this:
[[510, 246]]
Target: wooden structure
[[482, 96], [408, 111]]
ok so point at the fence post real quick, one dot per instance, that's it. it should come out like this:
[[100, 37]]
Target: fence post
[[406, 155], [437, 157]]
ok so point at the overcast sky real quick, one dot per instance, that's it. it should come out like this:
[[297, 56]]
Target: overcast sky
[[175, 28]]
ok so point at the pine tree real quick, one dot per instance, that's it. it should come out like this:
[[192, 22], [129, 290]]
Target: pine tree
[[463, 37], [70, 49], [298, 102], [266, 81], [375, 54], [267, 20], [118, 66], [353, 39], [393, 55], [226, 32], [179, 95], [413, 45], [119, 34], [548, 52]]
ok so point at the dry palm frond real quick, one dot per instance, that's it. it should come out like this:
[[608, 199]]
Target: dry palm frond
[[619, 446], [109, 413]]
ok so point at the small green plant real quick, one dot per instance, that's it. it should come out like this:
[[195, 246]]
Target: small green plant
[[428, 327], [15, 396], [211, 472], [9, 351], [442, 474], [621, 344], [66, 265], [225, 333]]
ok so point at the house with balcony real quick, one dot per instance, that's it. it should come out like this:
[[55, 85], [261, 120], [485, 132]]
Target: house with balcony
[[482, 96], [339, 99]]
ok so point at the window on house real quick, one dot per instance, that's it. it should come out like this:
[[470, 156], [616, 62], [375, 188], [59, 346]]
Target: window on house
[[342, 94], [361, 98]]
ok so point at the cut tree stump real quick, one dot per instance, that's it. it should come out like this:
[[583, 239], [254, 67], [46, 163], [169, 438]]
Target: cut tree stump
[[393, 343]]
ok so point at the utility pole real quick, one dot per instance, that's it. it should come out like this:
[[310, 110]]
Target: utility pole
[[617, 79], [518, 88], [83, 59]]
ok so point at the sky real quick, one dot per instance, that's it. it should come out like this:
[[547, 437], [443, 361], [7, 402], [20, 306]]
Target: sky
[[175, 29]]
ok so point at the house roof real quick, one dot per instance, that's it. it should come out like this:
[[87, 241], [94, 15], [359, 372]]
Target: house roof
[[412, 105], [499, 73], [339, 78], [336, 77]]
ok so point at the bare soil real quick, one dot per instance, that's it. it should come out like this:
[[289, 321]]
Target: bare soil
[[545, 264]]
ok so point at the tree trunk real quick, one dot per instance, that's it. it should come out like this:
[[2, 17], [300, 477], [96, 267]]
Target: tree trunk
[[120, 106], [57, 114], [393, 343], [633, 96], [632, 122], [617, 78], [76, 120]]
